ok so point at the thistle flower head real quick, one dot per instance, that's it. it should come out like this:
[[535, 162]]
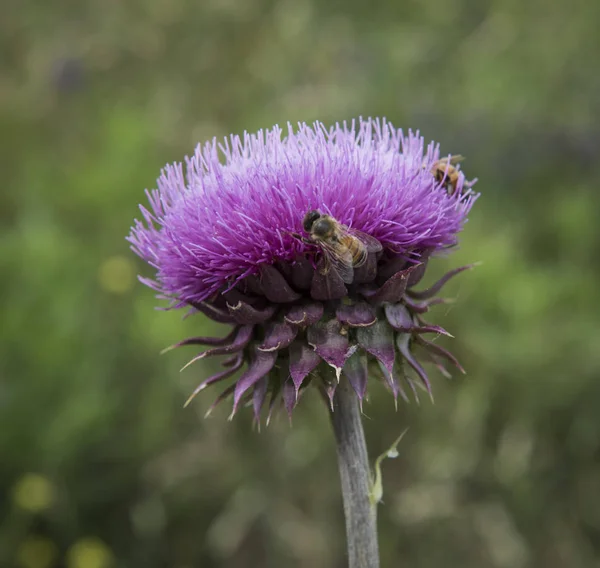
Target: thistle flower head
[[308, 243]]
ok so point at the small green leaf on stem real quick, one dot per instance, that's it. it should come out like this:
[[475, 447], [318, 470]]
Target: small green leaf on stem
[[377, 487]]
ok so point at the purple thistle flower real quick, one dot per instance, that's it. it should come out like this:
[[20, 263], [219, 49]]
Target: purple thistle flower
[[228, 238]]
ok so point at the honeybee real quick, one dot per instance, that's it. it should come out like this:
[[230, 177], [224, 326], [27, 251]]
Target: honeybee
[[443, 170], [343, 249]]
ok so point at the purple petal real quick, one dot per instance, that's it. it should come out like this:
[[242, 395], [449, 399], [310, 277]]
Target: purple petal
[[356, 371], [390, 378], [360, 314], [437, 350], [413, 387], [438, 364], [278, 336], [203, 341], [433, 290], [302, 273], [391, 266], [275, 287], [286, 270], [303, 360], [378, 340], [330, 388], [245, 314], [240, 340], [259, 366], [329, 343], [431, 329], [401, 319], [398, 317], [219, 399], [423, 307], [218, 301], [417, 274], [236, 295], [367, 272], [230, 361], [251, 284], [305, 315], [215, 379], [403, 343], [328, 286], [275, 390], [289, 395], [392, 290], [327, 388], [258, 396], [213, 312]]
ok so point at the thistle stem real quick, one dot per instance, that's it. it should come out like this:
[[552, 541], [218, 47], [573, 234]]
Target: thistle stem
[[355, 474]]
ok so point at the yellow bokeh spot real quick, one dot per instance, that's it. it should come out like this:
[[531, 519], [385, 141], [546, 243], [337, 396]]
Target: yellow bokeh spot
[[33, 492], [89, 553], [36, 552], [116, 275]]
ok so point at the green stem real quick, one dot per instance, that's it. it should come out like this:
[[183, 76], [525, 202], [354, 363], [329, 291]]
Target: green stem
[[355, 474]]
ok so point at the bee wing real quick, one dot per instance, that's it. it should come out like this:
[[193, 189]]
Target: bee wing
[[340, 261], [452, 160], [371, 243]]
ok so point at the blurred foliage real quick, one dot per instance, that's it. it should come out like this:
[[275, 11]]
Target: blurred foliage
[[101, 467]]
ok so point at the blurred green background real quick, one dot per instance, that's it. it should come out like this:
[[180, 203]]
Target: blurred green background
[[100, 467]]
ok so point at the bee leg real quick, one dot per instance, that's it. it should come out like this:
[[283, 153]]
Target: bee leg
[[300, 238]]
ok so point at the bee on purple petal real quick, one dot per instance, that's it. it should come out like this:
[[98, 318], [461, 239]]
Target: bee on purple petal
[[343, 249]]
